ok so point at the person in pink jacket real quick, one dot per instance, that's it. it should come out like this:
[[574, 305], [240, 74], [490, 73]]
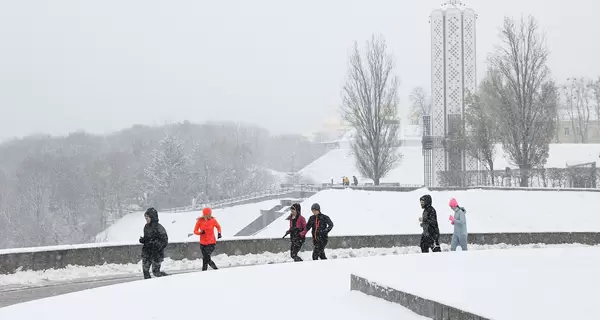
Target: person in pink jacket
[[297, 225]]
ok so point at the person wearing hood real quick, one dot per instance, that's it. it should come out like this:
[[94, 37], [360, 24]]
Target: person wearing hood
[[321, 225], [154, 242], [297, 225], [459, 220], [205, 228], [430, 238]]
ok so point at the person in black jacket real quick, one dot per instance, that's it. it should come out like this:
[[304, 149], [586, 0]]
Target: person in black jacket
[[154, 242], [431, 231], [321, 225]]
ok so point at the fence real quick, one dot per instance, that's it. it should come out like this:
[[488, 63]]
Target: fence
[[579, 176], [52, 258]]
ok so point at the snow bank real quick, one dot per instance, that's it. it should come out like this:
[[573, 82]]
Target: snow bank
[[379, 212], [222, 260]]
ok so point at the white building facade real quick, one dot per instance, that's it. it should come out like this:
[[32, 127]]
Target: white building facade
[[453, 75]]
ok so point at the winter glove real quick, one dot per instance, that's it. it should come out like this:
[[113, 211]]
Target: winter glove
[[142, 240], [219, 236], [451, 218], [202, 232]]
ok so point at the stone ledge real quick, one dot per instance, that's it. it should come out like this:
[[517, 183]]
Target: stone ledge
[[423, 307]]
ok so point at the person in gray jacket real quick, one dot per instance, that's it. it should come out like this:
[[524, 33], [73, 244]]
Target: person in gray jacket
[[459, 220]]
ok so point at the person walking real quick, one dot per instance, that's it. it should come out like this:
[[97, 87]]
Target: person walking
[[320, 225], [297, 225], [205, 228], [459, 220], [430, 238], [154, 242]]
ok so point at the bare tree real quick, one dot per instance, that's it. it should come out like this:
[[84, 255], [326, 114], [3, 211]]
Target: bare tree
[[524, 98], [419, 103], [369, 104], [482, 133], [577, 94], [596, 97]]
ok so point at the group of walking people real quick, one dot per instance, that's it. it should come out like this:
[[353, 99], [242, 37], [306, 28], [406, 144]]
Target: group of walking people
[[155, 238]]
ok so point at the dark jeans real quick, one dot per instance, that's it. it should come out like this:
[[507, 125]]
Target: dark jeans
[[207, 250], [319, 250], [295, 248], [430, 243], [153, 262]]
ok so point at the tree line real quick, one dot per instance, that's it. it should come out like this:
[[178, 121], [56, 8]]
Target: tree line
[[63, 190]]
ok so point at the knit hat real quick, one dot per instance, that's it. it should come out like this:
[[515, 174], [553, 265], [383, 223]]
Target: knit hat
[[453, 203], [315, 206], [206, 211]]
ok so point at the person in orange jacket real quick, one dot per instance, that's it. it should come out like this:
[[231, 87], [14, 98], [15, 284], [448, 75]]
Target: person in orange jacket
[[205, 228]]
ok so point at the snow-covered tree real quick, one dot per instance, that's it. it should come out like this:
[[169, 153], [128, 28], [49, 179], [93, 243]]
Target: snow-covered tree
[[168, 175]]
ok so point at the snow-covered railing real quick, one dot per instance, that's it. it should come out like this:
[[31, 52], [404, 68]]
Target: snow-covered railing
[[236, 200], [44, 258]]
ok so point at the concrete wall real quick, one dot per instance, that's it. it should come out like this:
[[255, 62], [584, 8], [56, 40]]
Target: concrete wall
[[41, 260], [421, 306]]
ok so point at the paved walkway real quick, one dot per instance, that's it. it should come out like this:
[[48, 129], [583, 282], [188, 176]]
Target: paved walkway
[[10, 295]]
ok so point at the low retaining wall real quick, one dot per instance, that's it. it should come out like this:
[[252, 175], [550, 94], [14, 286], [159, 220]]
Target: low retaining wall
[[421, 306], [120, 254]]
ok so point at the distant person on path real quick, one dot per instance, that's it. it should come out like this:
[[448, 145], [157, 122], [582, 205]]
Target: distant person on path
[[459, 220], [355, 181], [154, 242], [297, 225], [321, 225], [205, 228], [431, 231]]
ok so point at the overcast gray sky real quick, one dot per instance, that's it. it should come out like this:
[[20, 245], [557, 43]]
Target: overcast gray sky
[[104, 65]]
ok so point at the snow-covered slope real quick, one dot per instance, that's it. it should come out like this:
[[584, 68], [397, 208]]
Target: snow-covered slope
[[378, 212], [340, 162], [233, 219]]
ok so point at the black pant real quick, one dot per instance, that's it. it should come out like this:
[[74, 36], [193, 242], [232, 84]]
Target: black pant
[[154, 262], [207, 250], [430, 243], [295, 248], [319, 249]]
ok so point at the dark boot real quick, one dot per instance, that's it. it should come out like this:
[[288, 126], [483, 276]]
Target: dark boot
[[213, 265], [147, 274]]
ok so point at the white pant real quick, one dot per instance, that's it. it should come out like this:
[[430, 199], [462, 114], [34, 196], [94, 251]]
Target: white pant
[[458, 239]]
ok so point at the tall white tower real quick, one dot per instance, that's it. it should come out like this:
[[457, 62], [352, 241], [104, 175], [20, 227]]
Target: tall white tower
[[453, 75]]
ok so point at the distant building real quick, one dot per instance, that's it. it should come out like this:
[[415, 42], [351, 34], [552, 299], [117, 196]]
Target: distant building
[[567, 130]]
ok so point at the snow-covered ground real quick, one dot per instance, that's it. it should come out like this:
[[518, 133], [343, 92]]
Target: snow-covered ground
[[357, 212], [36, 278], [340, 162], [549, 284], [232, 219], [505, 285], [286, 291]]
